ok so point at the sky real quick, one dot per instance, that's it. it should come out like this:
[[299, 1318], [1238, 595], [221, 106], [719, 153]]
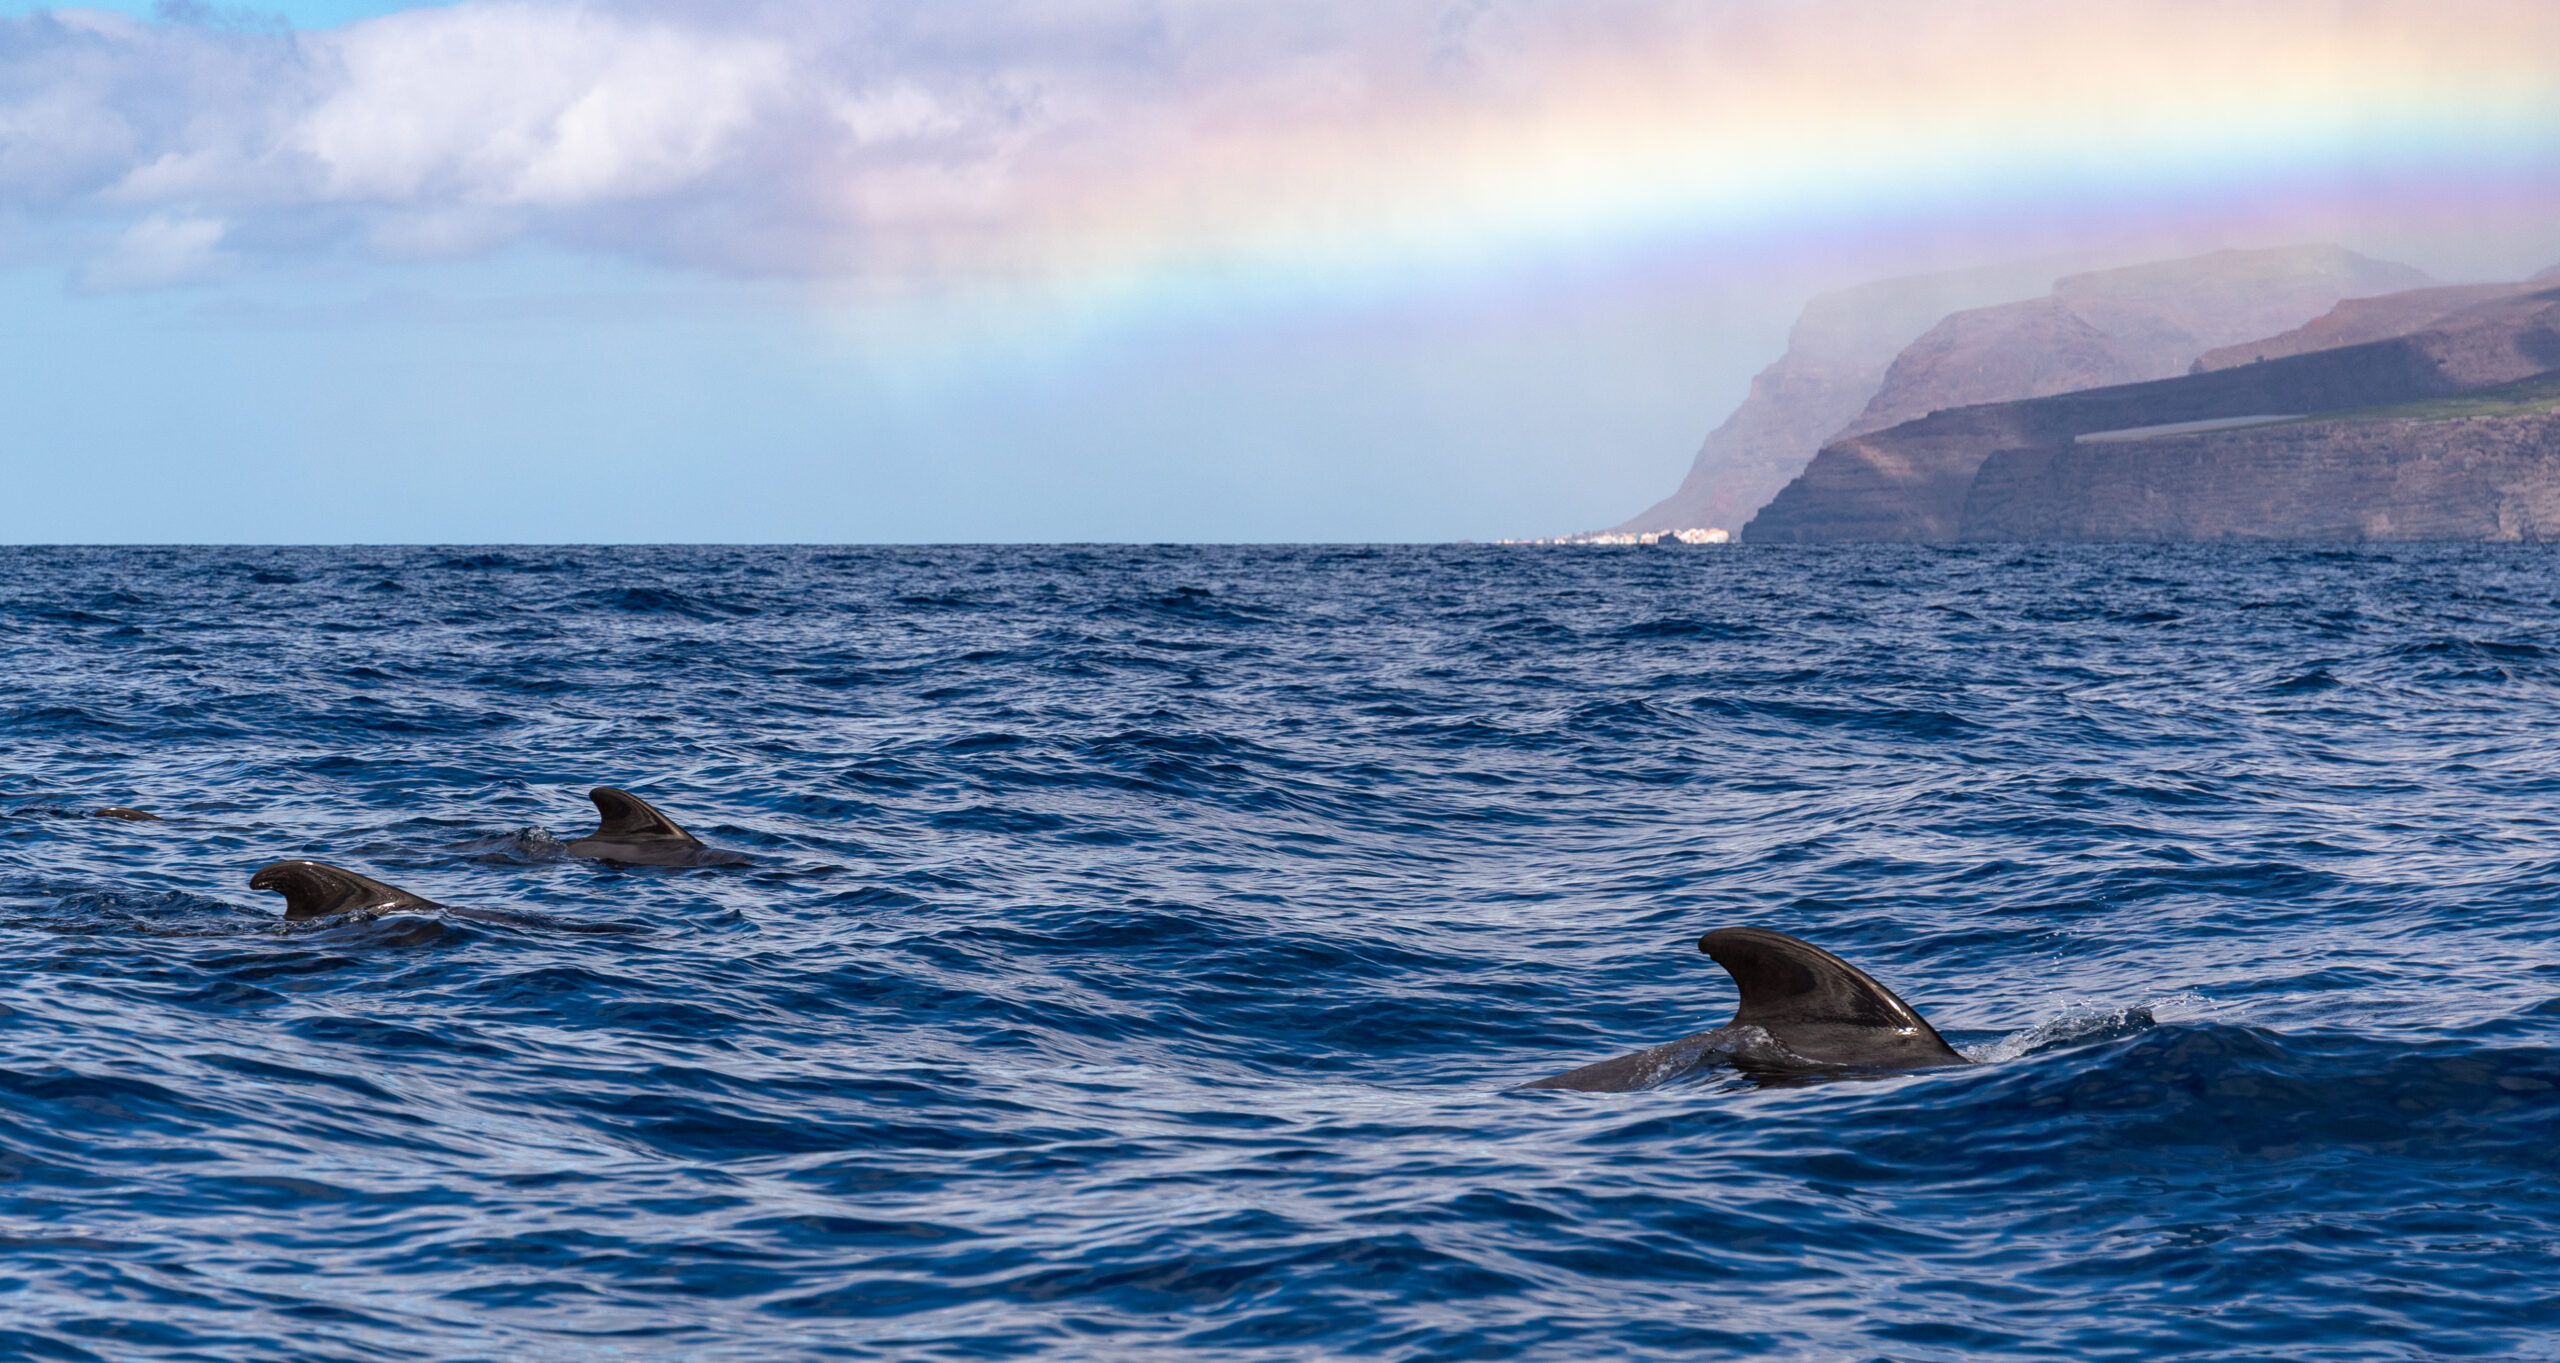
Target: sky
[[1089, 270]]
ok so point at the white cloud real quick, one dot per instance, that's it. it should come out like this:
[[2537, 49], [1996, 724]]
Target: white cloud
[[931, 137], [159, 251], [737, 136], [520, 104]]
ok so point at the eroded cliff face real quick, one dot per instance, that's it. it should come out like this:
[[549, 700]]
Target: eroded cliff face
[[1836, 356], [2121, 326], [2359, 321], [2017, 350], [1793, 405], [1907, 484], [1873, 357], [2486, 479], [1910, 483], [2163, 315], [1917, 481]]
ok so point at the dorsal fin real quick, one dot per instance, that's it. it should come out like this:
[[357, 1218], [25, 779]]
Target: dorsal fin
[[1819, 1006], [626, 816], [315, 889]]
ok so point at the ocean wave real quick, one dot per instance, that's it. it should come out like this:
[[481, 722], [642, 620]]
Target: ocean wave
[[1145, 948]]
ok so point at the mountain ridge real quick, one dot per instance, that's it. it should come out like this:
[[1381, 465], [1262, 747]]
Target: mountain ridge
[[2093, 328], [1913, 482]]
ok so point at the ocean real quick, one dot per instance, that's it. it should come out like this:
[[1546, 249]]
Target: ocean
[[1143, 947]]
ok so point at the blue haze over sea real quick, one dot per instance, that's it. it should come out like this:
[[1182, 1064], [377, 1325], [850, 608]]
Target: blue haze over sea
[[1144, 942]]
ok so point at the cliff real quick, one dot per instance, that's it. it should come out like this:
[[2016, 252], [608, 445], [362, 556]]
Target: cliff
[[1870, 358], [2121, 326], [2162, 316], [2493, 479], [2360, 320], [1836, 356], [2016, 350], [1914, 482]]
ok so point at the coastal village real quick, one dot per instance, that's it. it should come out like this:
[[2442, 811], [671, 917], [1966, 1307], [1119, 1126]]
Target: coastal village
[[1709, 535]]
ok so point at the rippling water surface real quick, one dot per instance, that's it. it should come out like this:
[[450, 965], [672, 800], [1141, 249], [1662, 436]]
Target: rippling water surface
[[1142, 946]]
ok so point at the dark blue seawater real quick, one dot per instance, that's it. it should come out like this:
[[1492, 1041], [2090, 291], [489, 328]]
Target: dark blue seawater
[[1143, 944]]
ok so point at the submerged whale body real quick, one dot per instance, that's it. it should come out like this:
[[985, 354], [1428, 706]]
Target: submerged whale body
[[1804, 1011], [632, 831], [316, 889]]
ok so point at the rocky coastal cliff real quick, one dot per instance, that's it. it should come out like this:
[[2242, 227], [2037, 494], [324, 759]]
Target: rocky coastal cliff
[[1917, 481], [2358, 321], [2485, 478], [1836, 357], [2129, 325], [1870, 358]]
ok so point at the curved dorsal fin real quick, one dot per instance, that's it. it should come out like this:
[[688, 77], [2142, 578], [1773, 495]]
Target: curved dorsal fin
[[1819, 1006], [315, 889], [626, 816]]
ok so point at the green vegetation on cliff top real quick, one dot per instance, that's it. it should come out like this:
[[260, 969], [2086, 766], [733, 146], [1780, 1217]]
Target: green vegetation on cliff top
[[2536, 396]]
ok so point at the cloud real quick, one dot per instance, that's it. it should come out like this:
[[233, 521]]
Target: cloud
[[525, 106], [938, 139], [157, 252]]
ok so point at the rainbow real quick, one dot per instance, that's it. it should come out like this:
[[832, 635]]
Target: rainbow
[[1868, 129]]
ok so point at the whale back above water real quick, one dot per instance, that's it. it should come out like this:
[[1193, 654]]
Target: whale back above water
[[1821, 1007], [315, 889], [632, 830], [1803, 1011]]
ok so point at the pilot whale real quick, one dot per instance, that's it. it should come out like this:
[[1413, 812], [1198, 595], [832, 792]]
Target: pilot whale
[[316, 889], [630, 830], [1804, 1011]]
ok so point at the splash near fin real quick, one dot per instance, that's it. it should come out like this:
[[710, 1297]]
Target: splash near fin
[[315, 889], [627, 818], [1821, 1007]]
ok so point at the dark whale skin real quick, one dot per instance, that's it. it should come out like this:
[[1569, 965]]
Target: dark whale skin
[[1803, 1011], [316, 889], [631, 831]]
